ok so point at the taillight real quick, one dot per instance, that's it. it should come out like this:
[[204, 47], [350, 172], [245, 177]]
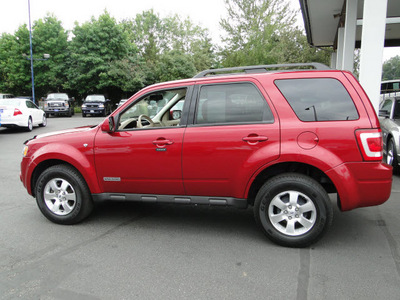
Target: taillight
[[17, 112], [370, 143]]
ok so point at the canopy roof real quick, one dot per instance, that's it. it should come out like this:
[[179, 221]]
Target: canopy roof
[[322, 18]]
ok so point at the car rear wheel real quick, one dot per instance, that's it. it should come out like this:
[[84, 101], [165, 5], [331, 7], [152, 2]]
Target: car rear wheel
[[44, 121], [62, 195], [29, 126], [391, 156], [293, 210]]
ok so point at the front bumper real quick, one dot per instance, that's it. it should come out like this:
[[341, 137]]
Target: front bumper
[[93, 111], [60, 110]]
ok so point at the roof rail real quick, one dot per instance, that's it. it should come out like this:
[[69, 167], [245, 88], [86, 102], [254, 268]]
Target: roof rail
[[260, 69]]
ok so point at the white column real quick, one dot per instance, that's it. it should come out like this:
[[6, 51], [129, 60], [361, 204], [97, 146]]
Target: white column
[[339, 50], [349, 35], [372, 44]]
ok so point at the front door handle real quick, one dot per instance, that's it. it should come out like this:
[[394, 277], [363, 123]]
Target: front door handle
[[162, 142]]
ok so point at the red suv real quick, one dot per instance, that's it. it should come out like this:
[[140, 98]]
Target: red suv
[[279, 140]]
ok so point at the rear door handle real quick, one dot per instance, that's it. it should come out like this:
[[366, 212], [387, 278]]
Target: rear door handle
[[255, 139]]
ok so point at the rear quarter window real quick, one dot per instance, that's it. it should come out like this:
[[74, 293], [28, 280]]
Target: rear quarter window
[[318, 99]]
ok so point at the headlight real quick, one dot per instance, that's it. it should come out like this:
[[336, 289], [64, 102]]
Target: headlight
[[83, 105], [66, 104], [25, 151], [101, 105]]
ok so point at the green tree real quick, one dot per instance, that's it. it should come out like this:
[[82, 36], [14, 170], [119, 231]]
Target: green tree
[[391, 68], [175, 65], [163, 40], [49, 37], [95, 47], [291, 46], [15, 74], [252, 30]]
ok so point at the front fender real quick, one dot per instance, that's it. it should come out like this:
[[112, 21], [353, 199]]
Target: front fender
[[80, 157]]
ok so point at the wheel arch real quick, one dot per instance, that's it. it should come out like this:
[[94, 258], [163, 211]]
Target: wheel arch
[[87, 172], [289, 167], [43, 166]]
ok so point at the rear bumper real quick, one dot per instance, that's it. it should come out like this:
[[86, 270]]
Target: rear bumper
[[362, 184], [14, 121]]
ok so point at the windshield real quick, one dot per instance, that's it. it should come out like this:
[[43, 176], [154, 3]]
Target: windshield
[[57, 96], [95, 98]]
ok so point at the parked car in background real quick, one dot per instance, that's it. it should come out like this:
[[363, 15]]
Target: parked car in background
[[390, 88], [21, 113], [6, 96], [96, 105], [389, 117], [57, 104], [122, 101]]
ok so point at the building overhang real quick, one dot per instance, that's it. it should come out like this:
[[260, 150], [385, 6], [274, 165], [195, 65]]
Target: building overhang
[[322, 18]]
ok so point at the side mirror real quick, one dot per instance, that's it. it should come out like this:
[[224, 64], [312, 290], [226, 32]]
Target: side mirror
[[176, 114], [109, 125]]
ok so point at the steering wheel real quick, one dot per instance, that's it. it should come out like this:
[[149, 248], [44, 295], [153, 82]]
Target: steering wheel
[[147, 118]]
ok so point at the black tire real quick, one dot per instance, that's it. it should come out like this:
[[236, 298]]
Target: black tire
[[391, 156], [62, 195], [296, 223], [83, 115]]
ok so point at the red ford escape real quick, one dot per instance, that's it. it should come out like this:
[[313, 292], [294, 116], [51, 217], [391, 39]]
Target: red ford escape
[[279, 140]]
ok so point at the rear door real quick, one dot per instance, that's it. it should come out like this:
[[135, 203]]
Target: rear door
[[34, 112], [233, 133]]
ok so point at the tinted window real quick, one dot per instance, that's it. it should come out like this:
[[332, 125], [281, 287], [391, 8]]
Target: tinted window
[[321, 99], [231, 103]]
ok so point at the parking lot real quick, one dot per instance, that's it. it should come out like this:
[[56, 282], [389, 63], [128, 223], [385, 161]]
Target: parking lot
[[144, 251]]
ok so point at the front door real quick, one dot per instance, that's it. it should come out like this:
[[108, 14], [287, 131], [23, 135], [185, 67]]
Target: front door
[[143, 156]]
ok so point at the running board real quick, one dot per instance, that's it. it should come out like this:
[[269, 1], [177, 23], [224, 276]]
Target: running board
[[203, 200]]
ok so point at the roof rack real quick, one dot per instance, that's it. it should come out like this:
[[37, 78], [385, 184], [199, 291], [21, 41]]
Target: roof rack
[[260, 69]]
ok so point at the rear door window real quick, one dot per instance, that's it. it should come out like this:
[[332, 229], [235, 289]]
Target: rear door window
[[318, 99], [232, 103]]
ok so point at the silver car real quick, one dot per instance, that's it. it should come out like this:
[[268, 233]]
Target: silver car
[[389, 117]]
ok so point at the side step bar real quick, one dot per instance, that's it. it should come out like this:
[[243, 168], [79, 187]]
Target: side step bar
[[171, 199]]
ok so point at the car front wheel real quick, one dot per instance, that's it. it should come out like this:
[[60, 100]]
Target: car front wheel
[[62, 195], [293, 210]]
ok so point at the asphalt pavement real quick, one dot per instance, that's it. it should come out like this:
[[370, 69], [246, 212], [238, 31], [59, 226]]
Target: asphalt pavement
[[145, 251]]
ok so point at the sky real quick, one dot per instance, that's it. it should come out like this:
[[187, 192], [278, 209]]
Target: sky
[[206, 13]]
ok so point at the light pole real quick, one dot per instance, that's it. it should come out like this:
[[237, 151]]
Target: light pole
[[45, 56], [30, 45]]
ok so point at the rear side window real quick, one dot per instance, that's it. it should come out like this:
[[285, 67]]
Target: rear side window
[[318, 99], [232, 103]]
